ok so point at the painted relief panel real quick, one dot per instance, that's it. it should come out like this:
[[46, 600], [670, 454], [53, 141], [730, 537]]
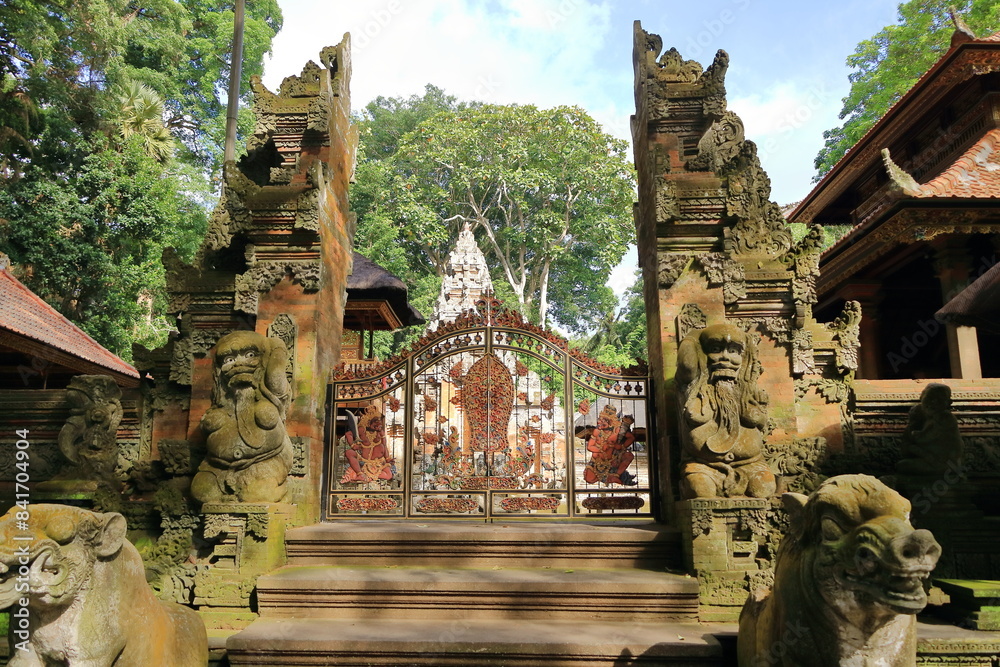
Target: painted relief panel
[[488, 421], [610, 447]]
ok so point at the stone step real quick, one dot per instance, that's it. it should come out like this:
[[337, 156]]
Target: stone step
[[421, 592], [461, 643], [468, 544]]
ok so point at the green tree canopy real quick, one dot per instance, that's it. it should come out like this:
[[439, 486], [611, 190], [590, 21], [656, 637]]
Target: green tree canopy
[[619, 337], [89, 242], [547, 191], [887, 65], [71, 58], [95, 99]]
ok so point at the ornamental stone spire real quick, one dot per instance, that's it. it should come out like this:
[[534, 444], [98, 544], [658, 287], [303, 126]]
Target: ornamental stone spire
[[467, 277]]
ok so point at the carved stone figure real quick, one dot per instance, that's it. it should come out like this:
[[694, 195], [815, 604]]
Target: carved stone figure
[[87, 597], [248, 451], [89, 438], [723, 416], [849, 581], [931, 441]]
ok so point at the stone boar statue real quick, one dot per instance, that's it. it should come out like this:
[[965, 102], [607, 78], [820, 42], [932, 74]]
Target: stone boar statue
[[88, 603], [849, 581]]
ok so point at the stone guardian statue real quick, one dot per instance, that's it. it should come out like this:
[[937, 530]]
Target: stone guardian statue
[[932, 440], [248, 452], [87, 601], [848, 583], [89, 438], [723, 416]]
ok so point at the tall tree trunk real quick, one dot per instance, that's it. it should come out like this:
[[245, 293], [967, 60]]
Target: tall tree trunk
[[543, 295]]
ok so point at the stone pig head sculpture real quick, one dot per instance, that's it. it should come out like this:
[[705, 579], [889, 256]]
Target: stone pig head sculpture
[[85, 591], [849, 581]]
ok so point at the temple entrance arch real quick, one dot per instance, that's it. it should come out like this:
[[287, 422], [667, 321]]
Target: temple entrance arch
[[487, 417]]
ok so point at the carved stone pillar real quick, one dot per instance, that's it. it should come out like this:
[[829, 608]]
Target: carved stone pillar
[[869, 295], [952, 264], [728, 544]]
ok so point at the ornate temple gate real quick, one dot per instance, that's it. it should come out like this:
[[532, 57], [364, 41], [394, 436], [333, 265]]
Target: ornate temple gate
[[487, 417]]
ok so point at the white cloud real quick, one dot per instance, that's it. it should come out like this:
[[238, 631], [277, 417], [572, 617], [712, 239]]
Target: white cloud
[[623, 275], [526, 52], [787, 121]]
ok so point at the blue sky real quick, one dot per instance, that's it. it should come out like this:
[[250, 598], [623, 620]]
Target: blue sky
[[786, 79]]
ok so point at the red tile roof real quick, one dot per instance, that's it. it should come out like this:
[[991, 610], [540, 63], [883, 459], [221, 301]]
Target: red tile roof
[[974, 175], [24, 314], [836, 179]]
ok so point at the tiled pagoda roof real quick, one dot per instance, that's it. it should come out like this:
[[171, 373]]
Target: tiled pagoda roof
[[961, 61], [24, 315], [974, 175]]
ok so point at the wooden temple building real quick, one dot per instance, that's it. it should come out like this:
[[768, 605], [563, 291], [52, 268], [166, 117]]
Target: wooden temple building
[[921, 192]]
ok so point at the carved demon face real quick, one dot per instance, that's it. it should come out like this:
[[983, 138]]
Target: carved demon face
[[61, 545], [375, 425], [724, 347], [869, 558], [240, 358]]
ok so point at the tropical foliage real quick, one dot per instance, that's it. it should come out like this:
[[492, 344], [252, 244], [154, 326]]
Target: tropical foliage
[[547, 192], [887, 65], [112, 119]]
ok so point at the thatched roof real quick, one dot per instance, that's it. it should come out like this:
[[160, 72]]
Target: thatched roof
[[370, 276], [372, 285]]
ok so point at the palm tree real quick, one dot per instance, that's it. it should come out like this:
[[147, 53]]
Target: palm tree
[[142, 116]]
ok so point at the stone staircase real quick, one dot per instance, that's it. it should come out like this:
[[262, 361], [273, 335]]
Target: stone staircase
[[454, 593]]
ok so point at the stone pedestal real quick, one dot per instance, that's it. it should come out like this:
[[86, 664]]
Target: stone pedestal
[[729, 545], [248, 540], [974, 604]]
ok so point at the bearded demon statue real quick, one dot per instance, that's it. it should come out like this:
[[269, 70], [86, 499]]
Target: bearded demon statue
[[723, 416], [248, 453]]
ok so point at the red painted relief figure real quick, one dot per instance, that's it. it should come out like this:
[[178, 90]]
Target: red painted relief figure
[[367, 456], [609, 446]]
